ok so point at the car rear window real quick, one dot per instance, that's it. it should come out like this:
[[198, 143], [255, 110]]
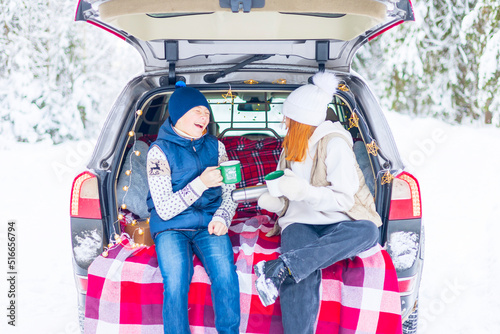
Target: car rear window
[[243, 112], [239, 113]]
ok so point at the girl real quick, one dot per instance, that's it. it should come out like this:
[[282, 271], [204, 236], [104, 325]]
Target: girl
[[321, 197]]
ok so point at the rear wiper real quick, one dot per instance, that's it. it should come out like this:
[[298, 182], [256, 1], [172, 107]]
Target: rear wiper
[[211, 78]]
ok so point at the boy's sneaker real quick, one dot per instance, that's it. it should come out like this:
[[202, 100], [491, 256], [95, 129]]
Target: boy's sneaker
[[270, 276]]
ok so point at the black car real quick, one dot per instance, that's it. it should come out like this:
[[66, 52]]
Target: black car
[[246, 57]]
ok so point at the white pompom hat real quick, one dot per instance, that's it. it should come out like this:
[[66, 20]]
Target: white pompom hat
[[307, 104]]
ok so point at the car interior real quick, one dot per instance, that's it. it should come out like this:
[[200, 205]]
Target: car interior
[[249, 123]]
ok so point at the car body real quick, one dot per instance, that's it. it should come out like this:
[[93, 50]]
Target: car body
[[253, 53]]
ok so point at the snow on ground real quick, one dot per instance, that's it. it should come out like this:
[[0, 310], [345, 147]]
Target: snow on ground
[[457, 167], [35, 191], [458, 171]]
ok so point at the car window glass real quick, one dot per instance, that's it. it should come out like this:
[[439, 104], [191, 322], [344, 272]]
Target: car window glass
[[241, 112]]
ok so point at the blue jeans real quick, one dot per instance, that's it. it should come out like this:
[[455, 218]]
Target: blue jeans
[[306, 249], [175, 249]]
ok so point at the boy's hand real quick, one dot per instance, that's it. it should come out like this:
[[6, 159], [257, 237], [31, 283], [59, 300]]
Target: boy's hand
[[211, 177], [216, 227]]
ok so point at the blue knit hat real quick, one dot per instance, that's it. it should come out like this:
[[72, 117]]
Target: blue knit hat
[[184, 99]]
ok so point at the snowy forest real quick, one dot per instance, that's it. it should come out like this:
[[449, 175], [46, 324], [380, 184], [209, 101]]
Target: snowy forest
[[56, 84], [55, 73], [445, 64]]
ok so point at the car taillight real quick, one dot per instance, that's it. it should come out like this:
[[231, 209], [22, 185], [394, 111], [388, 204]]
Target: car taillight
[[405, 199], [85, 197], [406, 285], [82, 283]]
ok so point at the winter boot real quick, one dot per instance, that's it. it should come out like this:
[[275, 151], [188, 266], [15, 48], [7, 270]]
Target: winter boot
[[270, 276]]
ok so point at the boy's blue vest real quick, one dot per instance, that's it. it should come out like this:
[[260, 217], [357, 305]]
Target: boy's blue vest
[[187, 159]]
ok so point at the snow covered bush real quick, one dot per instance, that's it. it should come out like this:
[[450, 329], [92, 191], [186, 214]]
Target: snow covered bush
[[57, 77], [445, 64]]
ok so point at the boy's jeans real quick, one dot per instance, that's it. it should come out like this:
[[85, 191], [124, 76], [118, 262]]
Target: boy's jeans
[[306, 249], [175, 258]]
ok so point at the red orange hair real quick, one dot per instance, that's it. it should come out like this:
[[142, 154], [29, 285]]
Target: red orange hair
[[296, 140]]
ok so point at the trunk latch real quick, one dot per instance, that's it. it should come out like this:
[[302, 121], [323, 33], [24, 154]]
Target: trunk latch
[[237, 5], [172, 56]]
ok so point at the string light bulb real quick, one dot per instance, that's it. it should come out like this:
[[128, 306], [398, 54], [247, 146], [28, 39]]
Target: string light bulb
[[132, 134], [372, 148], [229, 96], [105, 253], [387, 178], [343, 87], [353, 121]]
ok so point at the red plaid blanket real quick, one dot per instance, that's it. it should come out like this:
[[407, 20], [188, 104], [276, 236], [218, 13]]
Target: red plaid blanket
[[125, 290], [258, 158]]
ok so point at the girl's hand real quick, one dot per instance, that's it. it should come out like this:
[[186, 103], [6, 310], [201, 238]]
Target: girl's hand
[[216, 227], [270, 203], [211, 177], [293, 187]]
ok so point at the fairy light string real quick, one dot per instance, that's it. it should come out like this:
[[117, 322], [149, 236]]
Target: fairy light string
[[372, 147], [229, 95], [387, 177], [116, 238], [353, 121]]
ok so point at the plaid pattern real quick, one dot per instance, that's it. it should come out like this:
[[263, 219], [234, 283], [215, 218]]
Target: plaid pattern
[[258, 158], [125, 290], [125, 293], [360, 295]]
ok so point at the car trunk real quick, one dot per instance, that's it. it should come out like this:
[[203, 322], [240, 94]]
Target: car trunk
[[251, 117]]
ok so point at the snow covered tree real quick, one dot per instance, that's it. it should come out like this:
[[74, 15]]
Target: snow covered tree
[[481, 31], [445, 64], [57, 77]]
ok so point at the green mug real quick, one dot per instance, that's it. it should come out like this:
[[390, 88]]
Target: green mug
[[230, 171]]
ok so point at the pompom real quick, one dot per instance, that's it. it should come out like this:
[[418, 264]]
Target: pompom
[[180, 84], [326, 81]]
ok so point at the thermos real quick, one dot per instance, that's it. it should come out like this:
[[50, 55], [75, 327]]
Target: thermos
[[248, 194]]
